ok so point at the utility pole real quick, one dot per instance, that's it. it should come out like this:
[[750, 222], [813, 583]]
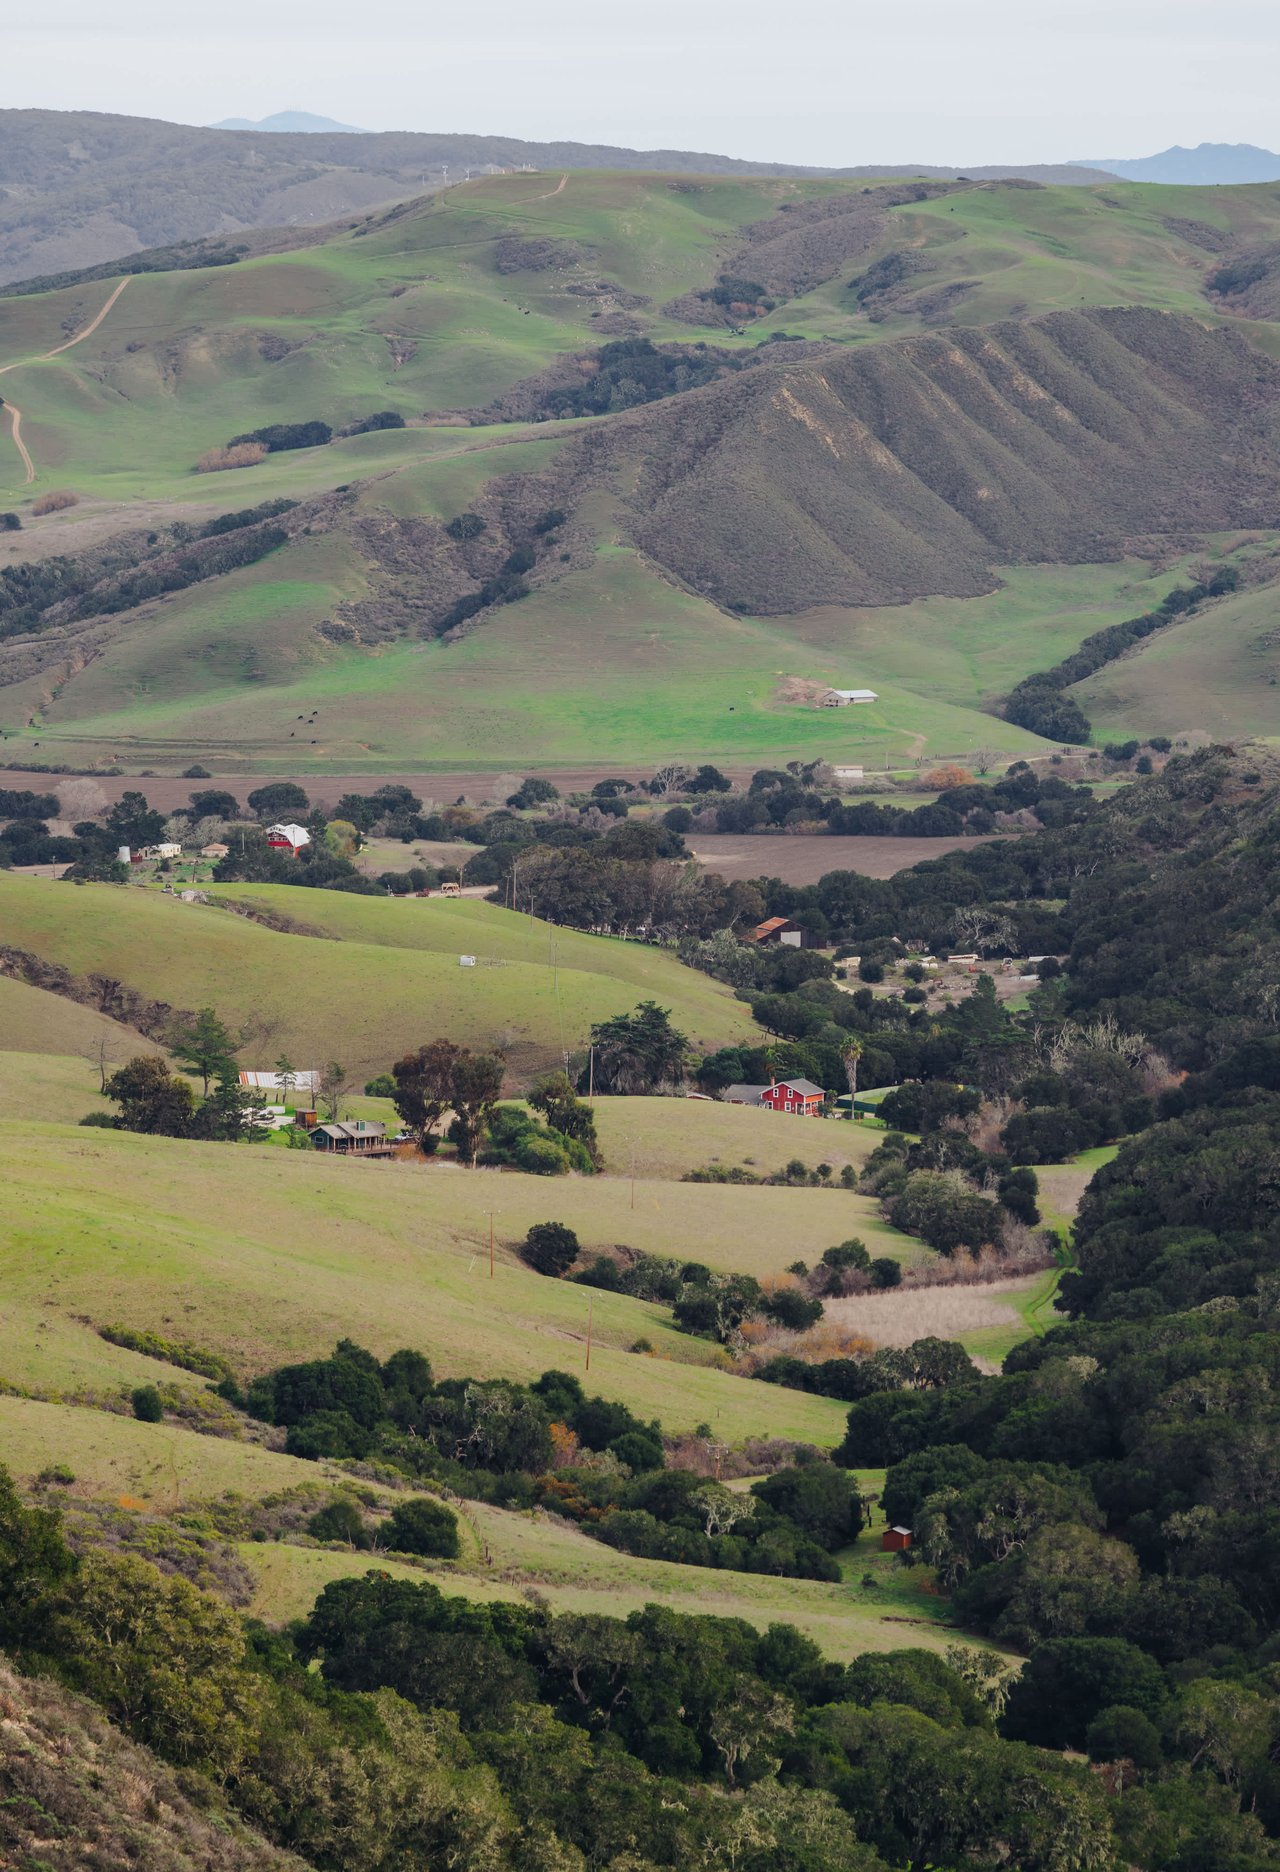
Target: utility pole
[[591, 1073], [491, 1244]]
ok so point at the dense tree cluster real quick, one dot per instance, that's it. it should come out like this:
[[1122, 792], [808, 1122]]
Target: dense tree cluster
[[155, 1100], [279, 436], [631, 371], [1160, 903]]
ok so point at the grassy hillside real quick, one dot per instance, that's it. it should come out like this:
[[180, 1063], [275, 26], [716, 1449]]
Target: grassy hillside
[[33, 1020], [1220, 678], [359, 1001], [666, 1137], [79, 1793], [611, 664], [423, 309], [1001, 251], [869, 474], [168, 1470], [445, 302], [94, 185], [271, 1255], [579, 1575]]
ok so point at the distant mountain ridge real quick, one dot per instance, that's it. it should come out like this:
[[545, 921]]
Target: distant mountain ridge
[[80, 188], [1207, 165], [305, 123]]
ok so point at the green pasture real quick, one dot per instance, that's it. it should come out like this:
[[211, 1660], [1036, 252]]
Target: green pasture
[[266, 1255], [971, 651], [609, 664], [413, 311], [34, 1020], [364, 1003], [1022, 252], [413, 314], [1034, 1306], [1217, 672], [1063, 1185], [664, 1138], [57, 1088]]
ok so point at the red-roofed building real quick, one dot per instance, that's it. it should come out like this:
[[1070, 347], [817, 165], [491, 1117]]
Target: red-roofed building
[[289, 837], [780, 930], [801, 1097]]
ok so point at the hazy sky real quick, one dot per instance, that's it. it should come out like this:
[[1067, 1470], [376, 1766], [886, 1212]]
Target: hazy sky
[[813, 81]]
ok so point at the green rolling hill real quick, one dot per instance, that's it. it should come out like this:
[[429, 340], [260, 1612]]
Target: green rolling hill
[[534, 991], [995, 378]]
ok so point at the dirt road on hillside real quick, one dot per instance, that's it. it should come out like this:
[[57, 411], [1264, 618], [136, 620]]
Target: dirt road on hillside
[[15, 414], [15, 429]]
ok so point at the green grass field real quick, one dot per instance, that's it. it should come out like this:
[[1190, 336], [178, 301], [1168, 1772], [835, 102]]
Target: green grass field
[[265, 1255], [325, 330], [33, 1020], [416, 311], [1216, 672], [667, 1137], [611, 663], [534, 992], [944, 650], [53, 1088], [1022, 251], [1033, 1303]]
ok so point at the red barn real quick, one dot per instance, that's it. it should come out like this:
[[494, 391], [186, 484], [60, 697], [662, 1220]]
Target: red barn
[[290, 838], [799, 1096], [895, 1540]]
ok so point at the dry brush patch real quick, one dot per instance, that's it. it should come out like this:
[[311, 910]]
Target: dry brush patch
[[233, 455], [56, 501], [78, 1794], [905, 1314]]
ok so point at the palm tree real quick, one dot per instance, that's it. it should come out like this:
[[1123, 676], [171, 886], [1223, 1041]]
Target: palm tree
[[851, 1053]]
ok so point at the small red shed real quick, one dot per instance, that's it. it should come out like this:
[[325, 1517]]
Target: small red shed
[[895, 1540]]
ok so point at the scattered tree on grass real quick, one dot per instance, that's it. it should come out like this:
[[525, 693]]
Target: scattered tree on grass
[[533, 792], [332, 1090], [475, 1088], [131, 822], [639, 1052], [277, 436], [550, 1248], [424, 1090], [339, 1520], [203, 1044], [281, 797], [147, 1405], [423, 1526], [571, 1116], [151, 1098]]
